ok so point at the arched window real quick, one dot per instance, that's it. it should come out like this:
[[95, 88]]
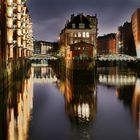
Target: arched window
[[75, 35], [87, 34], [79, 34], [84, 34]]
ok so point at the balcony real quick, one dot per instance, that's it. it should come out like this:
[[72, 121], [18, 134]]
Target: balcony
[[19, 7], [19, 33], [9, 12], [10, 36], [18, 24], [9, 22], [9, 2]]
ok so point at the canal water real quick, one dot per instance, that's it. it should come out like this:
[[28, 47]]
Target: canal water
[[46, 104]]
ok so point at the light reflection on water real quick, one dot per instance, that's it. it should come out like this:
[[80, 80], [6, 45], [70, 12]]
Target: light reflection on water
[[16, 104], [104, 105], [96, 108]]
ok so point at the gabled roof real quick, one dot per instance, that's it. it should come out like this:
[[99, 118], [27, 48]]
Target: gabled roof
[[80, 18]]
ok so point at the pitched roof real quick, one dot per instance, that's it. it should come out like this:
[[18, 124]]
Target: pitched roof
[[80, 18]]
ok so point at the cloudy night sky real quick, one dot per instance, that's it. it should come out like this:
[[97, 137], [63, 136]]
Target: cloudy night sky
[[49, 16]]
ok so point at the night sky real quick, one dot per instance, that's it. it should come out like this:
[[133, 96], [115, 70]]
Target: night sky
[[49, 16]]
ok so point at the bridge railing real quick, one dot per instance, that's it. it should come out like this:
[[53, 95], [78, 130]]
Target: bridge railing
[[116, 57]]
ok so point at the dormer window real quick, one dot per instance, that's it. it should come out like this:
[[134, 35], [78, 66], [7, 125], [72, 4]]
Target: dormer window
[[79, 34], [81, 25], [73, 26]]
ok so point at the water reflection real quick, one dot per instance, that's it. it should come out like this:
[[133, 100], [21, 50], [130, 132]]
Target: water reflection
[[97, 105], [136, 106], [89, 117], [130, 96], [16, 105], [80, 101], [113, 76], [127, 86], [43, 73]]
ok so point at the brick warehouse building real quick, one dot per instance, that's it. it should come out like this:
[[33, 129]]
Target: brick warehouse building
[[106, 44], [16, 39], [79, 28], [135, 20], [78, 37]]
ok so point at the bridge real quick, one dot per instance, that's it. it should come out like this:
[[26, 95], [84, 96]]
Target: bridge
[[109, 57], [42, 57], [116, 57]]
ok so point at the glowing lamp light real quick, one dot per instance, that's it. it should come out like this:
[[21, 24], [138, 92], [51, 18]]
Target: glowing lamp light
[[11, 52], [9, 11], [9, 2], [19, 41], [24, 37], [24, 31], [24, 25], [18, 24], [83, 111], [19, 32], [10, 35], [19, 8], [18, 1], [11, 126], [18, 16], [24, 43], [9, 22], [19, 50]]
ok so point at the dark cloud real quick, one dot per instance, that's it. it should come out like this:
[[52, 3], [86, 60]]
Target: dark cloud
[[49, 16]]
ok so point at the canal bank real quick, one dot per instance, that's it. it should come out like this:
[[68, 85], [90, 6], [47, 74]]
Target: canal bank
[[13, 71]]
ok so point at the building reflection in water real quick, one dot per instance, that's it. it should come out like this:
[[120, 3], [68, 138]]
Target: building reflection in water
[[127, 86], [136, 105], [16, 106], [79, 88], [116, 77], [43, 73], [130, 95], [80, 101]]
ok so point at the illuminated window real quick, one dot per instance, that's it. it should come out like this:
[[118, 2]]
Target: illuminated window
[[18, 1], [87, 34], [84, 34], [75, 35], [10, 35], [9, 22], [79, 34], [9, 11], [81, 25]]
